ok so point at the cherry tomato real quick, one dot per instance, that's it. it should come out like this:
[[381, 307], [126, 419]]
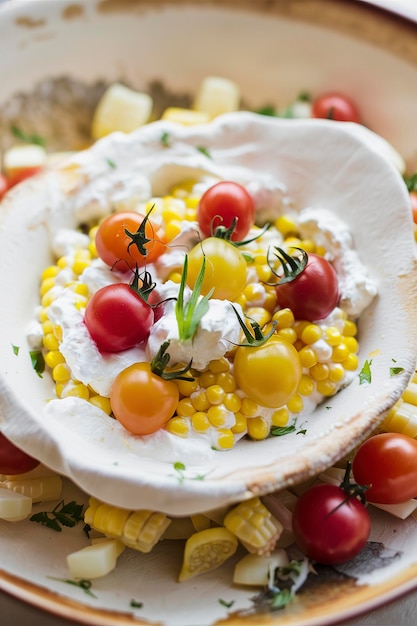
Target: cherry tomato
[[115, 247], [221, 204], [329, 525], [313, 293], [269, 373], [23, 174], [142, 401], [4, 185], [413, 198], [387, 463], [13, 460], [335, 106], [225, 269], [117, 318]]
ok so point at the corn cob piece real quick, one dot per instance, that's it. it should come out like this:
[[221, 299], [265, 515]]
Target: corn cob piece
[[255, 570], [254, 525], [96, 560], [42, 489], [140, 529], [402, 418], [207, 550]]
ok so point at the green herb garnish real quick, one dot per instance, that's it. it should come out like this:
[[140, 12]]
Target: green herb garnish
[[28, 137], [165, 139], [257, 338], [38, 362], [279, 431], [111, 164], [15, 349], [62, 515], [83, 584], [228, 605], [365, 375], [204, 151], [189, 314], [135, 604]]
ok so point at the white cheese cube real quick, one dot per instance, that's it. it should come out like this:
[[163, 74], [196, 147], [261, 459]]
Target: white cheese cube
[[96, 560], [14, 506], [120, 109], [255, 570], [23, 157]]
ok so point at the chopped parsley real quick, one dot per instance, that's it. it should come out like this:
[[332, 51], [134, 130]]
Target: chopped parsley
[[111, 164], [28, 137], [85, 585], [228, 605], [136, 604], [38, 362], [279, 431], [365, 375], [165, 139], [204, 151], [62, 515], [15, 349]]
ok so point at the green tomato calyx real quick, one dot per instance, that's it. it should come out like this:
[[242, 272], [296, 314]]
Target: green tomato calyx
[[160, 362], [292, 266], [257, 338]]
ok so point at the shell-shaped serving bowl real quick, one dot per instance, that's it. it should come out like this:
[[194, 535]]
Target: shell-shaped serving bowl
[[341, 168]]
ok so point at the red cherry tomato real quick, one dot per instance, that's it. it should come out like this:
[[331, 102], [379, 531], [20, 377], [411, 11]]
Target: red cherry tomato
[[413, 198], [117, 249], [23, 174], [313, 293], [13, 460], [387, 463], [4, 185], [335, 106], [117, 318], [329, 525], [221, 204]]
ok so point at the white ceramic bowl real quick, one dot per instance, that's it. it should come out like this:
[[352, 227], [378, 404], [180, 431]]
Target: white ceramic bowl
[[321, 164]]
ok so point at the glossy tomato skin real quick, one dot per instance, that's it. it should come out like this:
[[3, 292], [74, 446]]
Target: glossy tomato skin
[[117, 318], [223, 202], [13, 460], [335, 106], [112, 242], [269, 373], [143, 401], [387, 463], [225, 268], [314, 293], [329, 526], [3, 185]]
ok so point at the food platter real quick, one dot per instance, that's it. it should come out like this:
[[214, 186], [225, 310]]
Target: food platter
[[55, 596]]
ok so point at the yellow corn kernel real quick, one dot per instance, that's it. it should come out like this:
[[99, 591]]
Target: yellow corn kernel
[[179, 426], [285, 318], [232, 402], [219, 416], [295, 404], [226, 380], [50, 272], [311, 333], [402, 419], [50, 342], [319, 371], [79, 265], [101, 403], [225, 439], [207, 550], [215, 394], [43, 314], [300, 326], [288, 334], [199, 401], [61, 373], [185, 408], [200, 422], [351, 343], [59, 389], [143, 530], [259, 314], [47, 327], [78, 390], [173, 209], [270, 300], [81, 289], [287, 225], [351, 362], [340, 353], [186, 117], [306, 385], [326, 387], [264, 273], [63, 262], [349, 329], [175, 277], [108, 519], [183, 189], [219, 366], [308, 357], [308, 245], [336, 372], [249, 407], [46, 285], [53, 358], [240, 424], [333, 336], [242, 300], [258, 428], [172, 229], [321, 250], [280, 417], [410, 393], [254, 525], [186, 387], [206, 379], [57, 330]]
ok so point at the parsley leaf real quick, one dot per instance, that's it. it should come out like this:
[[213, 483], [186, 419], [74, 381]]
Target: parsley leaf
[[28, 137], [38, 362], [365, 375], [393, 371], [165, 139], [204, 151], [15, 349], [279, 431], [62, 515], [83, 584]]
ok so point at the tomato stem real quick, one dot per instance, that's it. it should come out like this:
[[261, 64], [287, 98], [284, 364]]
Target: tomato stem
[[292, 266], [146, 287], [258, 338], [139, 238], [160, 362]]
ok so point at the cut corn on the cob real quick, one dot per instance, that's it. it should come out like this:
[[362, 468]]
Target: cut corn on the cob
[[42, 489], [139, 530], [120, 109], [255, 570], [254, 525], [96, 560], [207, 550]]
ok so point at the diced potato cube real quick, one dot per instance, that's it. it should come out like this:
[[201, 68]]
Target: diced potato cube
[[96, 560], [120, 109], [217, 95], [14, 506], [255, 570], [186, 117]]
